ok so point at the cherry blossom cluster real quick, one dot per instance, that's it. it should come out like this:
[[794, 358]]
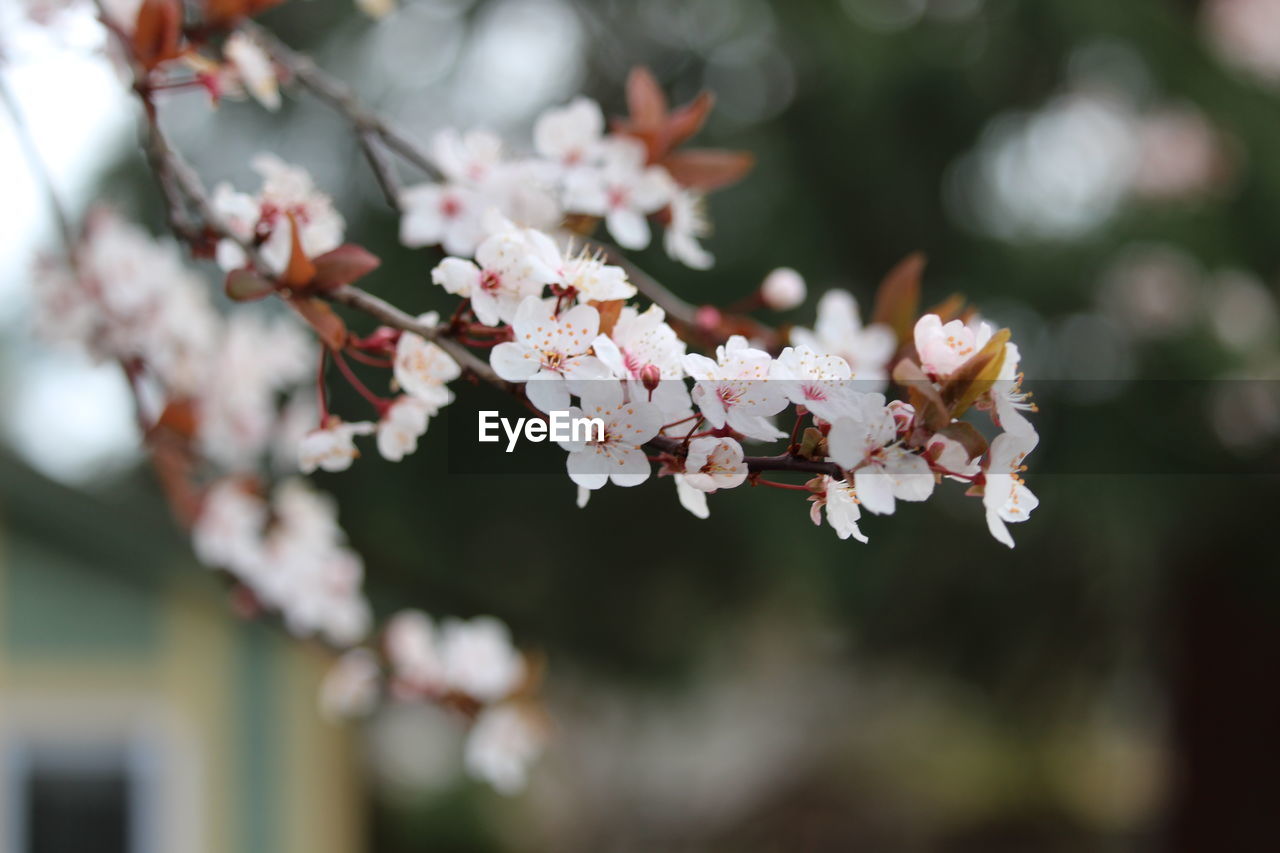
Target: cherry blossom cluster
[[542, 310]]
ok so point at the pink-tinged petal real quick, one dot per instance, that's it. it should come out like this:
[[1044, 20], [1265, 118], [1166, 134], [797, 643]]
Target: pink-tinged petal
[[875, 490], [630, 467], [514, 362], [912, 478], [629, 228]]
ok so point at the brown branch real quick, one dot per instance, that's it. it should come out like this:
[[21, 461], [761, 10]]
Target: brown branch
[[655, 291], [756, 464]]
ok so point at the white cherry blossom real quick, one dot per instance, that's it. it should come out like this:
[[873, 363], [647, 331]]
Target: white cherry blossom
[[593, 279], [734, 389], [841, 504], [714, 463], [228, 531], [332, 447], [839, 331], [1006, 496], [510, 266], [253, 69], [468, 158], [944, 347], [619, 456], [422, 369], [640, 344], [882, 470], [1007, 396], [401, 425], [820, 383], [446, 215], [549, 349]]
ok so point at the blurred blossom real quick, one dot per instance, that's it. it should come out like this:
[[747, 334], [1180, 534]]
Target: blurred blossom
[[1181, 155], [1242, 311], [1055, 173], [1245, 34], [1245, 410], [1152, 290]]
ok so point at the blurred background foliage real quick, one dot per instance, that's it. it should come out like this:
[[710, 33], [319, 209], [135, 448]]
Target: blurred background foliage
[[750, 682]]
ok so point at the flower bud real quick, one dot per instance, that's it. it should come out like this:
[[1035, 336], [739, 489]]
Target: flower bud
[[903, 415], [650, 376], [708, 318], [783, 289]]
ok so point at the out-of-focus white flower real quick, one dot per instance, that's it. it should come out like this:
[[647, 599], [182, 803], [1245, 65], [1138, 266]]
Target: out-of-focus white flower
[[400, 427], [841, 504], [256, 360], [288, 195], [570, 135], [882, 471], [735, 389], [839, 331], [1181, 155], [228, 531], [444, 215], [129, 298], [783, 289], [414, 652], [943, 348], [618, 456], [479, 659], [1245, 34], [350, 688], [503, 743], [1006, 496], [253, 69], [623, 190], [688, 225], [548, 349], [332, 447], [714, 463]]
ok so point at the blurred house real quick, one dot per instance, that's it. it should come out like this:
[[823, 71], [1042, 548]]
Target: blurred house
[[137, 714]]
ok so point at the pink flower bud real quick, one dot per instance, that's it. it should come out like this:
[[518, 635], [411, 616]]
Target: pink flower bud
[[650, 376], [783, 289]]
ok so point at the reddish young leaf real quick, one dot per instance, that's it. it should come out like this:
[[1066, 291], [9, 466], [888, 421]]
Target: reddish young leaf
[[328, 326], [301, 271], [687, 120], [708, 169], [609, 312], [949, 308], [645, 101], [974, 378], [343, 265], [157, 32], [246, 285], [898, 298]]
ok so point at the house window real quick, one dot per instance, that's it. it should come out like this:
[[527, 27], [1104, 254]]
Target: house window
[[69, 798]]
